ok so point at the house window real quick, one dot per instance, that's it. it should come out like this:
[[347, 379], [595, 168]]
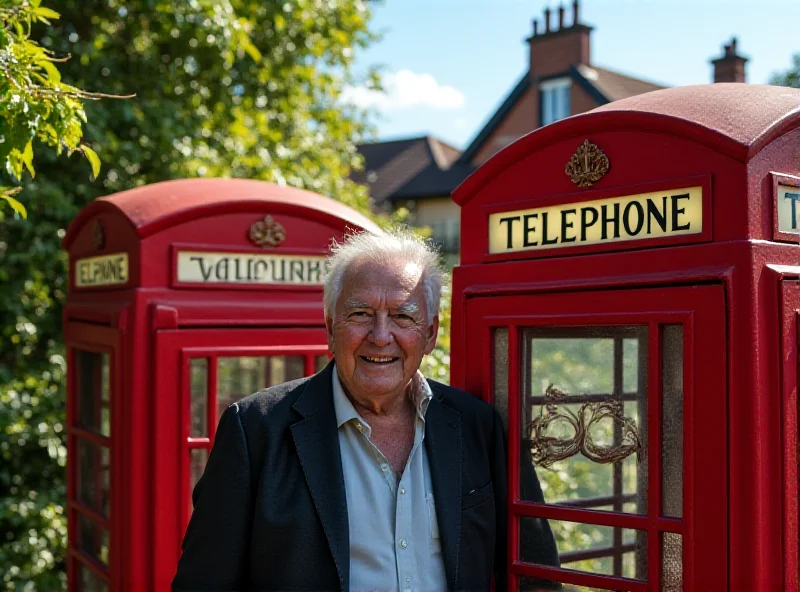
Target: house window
[[554, 96], [446, 233]]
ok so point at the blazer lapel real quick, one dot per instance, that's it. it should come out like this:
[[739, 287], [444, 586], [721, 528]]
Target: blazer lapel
[[443, 445], [317, 443]]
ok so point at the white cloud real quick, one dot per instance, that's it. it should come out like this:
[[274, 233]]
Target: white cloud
[[403, 90]]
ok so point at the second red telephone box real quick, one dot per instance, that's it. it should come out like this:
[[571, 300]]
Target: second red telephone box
[[184, 297]]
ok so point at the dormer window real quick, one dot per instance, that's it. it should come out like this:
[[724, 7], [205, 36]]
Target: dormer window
[[554, 99]]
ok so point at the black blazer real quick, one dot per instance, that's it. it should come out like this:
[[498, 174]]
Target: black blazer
[[270, 511]]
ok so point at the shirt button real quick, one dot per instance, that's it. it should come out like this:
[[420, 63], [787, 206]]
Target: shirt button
[[403, 491], [408, 580], [384, 467], [358, 425], [403, 543]]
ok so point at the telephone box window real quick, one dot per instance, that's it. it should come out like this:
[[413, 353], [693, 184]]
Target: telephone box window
[[320, 362], [93, 387], [89, 581], [93, 484], [672, 421], [239, 377], [594, 380], [198, 378], [197, 464], [500, 378], [590, 548], [671, 562], [92, 538]]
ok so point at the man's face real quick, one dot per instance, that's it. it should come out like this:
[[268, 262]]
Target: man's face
[[380, 331]]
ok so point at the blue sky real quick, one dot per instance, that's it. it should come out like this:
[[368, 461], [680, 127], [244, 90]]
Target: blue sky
[[448, 64]]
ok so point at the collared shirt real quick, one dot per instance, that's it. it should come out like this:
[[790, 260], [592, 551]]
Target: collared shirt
[[394, 535]]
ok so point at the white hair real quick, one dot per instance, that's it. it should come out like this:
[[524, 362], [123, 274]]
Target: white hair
[[398, 246]]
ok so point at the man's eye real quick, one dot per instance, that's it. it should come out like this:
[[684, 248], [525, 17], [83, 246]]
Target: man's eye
[[403, 319], [359, 314]]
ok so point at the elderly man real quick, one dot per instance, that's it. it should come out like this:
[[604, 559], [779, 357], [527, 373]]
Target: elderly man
[[365, 476]]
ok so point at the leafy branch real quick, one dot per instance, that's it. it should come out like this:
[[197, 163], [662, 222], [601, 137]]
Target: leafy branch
[[35, 104]]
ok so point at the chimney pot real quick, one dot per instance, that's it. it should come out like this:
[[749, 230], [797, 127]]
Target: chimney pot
[[733, 45], [575, 12], [535, 27], [547, 20], [560, 16]]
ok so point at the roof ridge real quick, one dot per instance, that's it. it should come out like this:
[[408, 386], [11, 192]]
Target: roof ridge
[[623, 75]]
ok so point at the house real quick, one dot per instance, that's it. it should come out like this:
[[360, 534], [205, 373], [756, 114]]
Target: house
[[420, 173]]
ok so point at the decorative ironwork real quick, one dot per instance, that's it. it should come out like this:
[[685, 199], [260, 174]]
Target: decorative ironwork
[[547, 449], [267, 232], [588, 165], [99, 236]]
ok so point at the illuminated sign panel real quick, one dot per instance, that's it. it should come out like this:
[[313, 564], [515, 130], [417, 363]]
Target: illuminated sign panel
[[200, 267], [788, 209], [615, 219], [107, 270]]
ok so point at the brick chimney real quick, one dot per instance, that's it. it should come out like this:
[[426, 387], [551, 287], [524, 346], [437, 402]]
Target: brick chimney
[[730, 67], [559, 46]]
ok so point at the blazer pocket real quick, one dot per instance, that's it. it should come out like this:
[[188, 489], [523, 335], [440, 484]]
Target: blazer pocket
[[478, 496]]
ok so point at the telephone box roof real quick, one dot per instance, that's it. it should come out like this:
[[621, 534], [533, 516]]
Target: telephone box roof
[[735, 119], [152, 208]]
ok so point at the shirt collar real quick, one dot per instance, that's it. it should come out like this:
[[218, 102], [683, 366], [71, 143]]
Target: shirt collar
[[420, 390]]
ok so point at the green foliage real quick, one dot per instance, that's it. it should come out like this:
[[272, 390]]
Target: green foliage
[[223, 88], [436, 365], [35, 104], [791, 77]]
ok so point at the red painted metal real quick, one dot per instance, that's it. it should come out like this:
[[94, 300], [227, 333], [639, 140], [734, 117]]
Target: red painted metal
[[732, 288], [152, 326]]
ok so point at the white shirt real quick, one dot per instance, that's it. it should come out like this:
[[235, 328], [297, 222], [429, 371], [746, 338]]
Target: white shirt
[[394, 533]]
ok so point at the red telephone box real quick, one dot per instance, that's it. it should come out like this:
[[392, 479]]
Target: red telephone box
[[628, 298], [184, 296]]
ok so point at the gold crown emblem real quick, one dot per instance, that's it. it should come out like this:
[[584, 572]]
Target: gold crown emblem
[[578, 431], [267, 232], [588, 165]]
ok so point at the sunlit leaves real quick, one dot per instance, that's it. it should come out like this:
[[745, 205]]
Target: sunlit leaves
[[35, 104]]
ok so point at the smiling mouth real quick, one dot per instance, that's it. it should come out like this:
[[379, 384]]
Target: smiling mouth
[[383, 360]]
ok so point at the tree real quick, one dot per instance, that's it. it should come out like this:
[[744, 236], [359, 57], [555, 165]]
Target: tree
[[790, 77], [223, 88]]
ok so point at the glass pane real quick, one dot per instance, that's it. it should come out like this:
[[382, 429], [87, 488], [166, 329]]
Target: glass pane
[[94, 481], [198, 379], [500, 361], [672, 421], [240, 377], [582, 429], [590, 548], [93, 391], [92, 538], [320, 362], [89, 581], [285, 368], [197, 464], [671, 562]]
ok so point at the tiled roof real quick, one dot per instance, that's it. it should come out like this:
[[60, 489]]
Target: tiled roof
[[433, 182], [613, 85], [390, 166]]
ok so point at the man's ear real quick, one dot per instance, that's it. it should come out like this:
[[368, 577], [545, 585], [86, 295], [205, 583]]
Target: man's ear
[[329, 332], [432, 334]]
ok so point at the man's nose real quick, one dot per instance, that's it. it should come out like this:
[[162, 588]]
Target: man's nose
[[381, 335]]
